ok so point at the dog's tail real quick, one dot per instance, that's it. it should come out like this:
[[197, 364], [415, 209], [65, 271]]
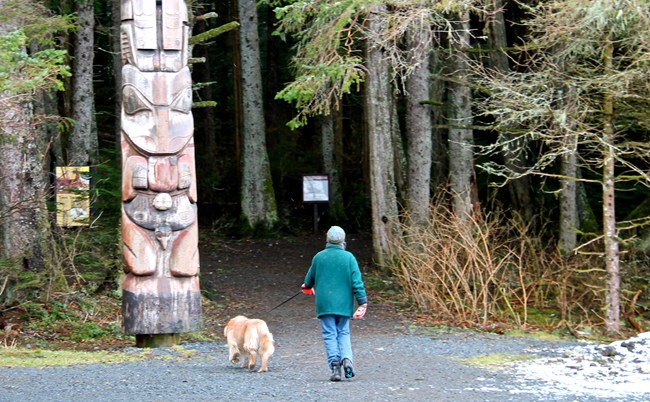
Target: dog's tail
[[254, 339]]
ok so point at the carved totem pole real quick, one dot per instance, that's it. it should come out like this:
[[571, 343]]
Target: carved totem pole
[[161, 294]]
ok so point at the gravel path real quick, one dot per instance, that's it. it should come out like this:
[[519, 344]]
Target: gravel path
[[389, 367], [393, 362]]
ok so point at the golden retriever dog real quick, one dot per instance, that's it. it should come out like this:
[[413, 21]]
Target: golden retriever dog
[[247, 338]]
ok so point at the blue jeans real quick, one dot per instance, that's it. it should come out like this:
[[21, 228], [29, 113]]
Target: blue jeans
[[336, 335]]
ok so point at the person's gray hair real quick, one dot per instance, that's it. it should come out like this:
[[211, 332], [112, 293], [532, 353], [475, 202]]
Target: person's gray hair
[[336, 235]]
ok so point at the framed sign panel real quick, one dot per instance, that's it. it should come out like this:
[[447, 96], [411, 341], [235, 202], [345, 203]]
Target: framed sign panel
[[315, 188], [72, 195]]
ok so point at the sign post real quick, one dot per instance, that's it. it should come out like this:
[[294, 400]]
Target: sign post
[[315, 190]]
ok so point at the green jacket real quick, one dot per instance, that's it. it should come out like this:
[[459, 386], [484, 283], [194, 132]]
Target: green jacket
[[335, 276]]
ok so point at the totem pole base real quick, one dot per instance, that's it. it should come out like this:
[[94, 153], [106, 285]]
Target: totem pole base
[[155, 305], [157, 340]]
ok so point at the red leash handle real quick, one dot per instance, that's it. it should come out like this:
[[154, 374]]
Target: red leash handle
[[307, 291]]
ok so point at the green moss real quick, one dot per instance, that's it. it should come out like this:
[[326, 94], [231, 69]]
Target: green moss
[[495, 360], [213, 33], [544, 336], [19, 357], [542, 317]]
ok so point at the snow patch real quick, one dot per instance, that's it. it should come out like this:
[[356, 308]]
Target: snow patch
[[620, 369]]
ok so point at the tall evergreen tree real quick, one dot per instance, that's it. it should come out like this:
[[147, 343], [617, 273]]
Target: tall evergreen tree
[[257, 194], [330, 143], [514, 155], [378, 121], [418, 125], [462, 177], [82, 147], [25, 233]]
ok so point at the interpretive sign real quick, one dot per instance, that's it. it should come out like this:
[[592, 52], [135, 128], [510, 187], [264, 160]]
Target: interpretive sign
[[72, 195], [315, 188]]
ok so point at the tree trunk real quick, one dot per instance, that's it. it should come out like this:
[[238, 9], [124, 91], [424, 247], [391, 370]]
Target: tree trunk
[[587, 221], [237, 90], [399, 151], [609, 217], [24, 225], [257, 194], [568, 199], [331, 167], [569, 220], [378, 112], [418, 131], [514, 154], [23, 211], [82, 147], [461, 162], [117, 66], [439, 155]]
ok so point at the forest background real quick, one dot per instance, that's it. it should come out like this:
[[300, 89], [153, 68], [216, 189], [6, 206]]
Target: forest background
[[495, 150]]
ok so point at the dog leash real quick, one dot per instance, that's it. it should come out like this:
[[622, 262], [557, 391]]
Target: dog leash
[[289, 299]]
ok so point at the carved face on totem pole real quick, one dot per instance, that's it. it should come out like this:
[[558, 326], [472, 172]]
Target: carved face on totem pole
[[161, 292]]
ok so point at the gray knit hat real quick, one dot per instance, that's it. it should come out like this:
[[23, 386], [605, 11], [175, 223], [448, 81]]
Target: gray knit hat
[[336, 235]]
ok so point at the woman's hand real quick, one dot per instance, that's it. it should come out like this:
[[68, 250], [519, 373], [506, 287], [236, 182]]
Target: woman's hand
[[361, 311]]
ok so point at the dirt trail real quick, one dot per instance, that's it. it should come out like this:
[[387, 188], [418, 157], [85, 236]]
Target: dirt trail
[[253, 277]]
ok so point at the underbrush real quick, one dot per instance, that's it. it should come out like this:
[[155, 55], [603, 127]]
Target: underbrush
[[77, 321], [493, 272]]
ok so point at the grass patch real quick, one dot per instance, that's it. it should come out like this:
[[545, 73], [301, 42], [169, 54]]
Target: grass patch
[[19, 357], [495, 360], [542, 336]]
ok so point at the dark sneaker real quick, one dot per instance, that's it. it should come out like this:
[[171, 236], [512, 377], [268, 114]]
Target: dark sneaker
[[347, 368], [336, 371]]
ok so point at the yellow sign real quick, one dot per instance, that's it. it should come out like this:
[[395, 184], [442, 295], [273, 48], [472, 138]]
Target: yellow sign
[[73, 195]]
